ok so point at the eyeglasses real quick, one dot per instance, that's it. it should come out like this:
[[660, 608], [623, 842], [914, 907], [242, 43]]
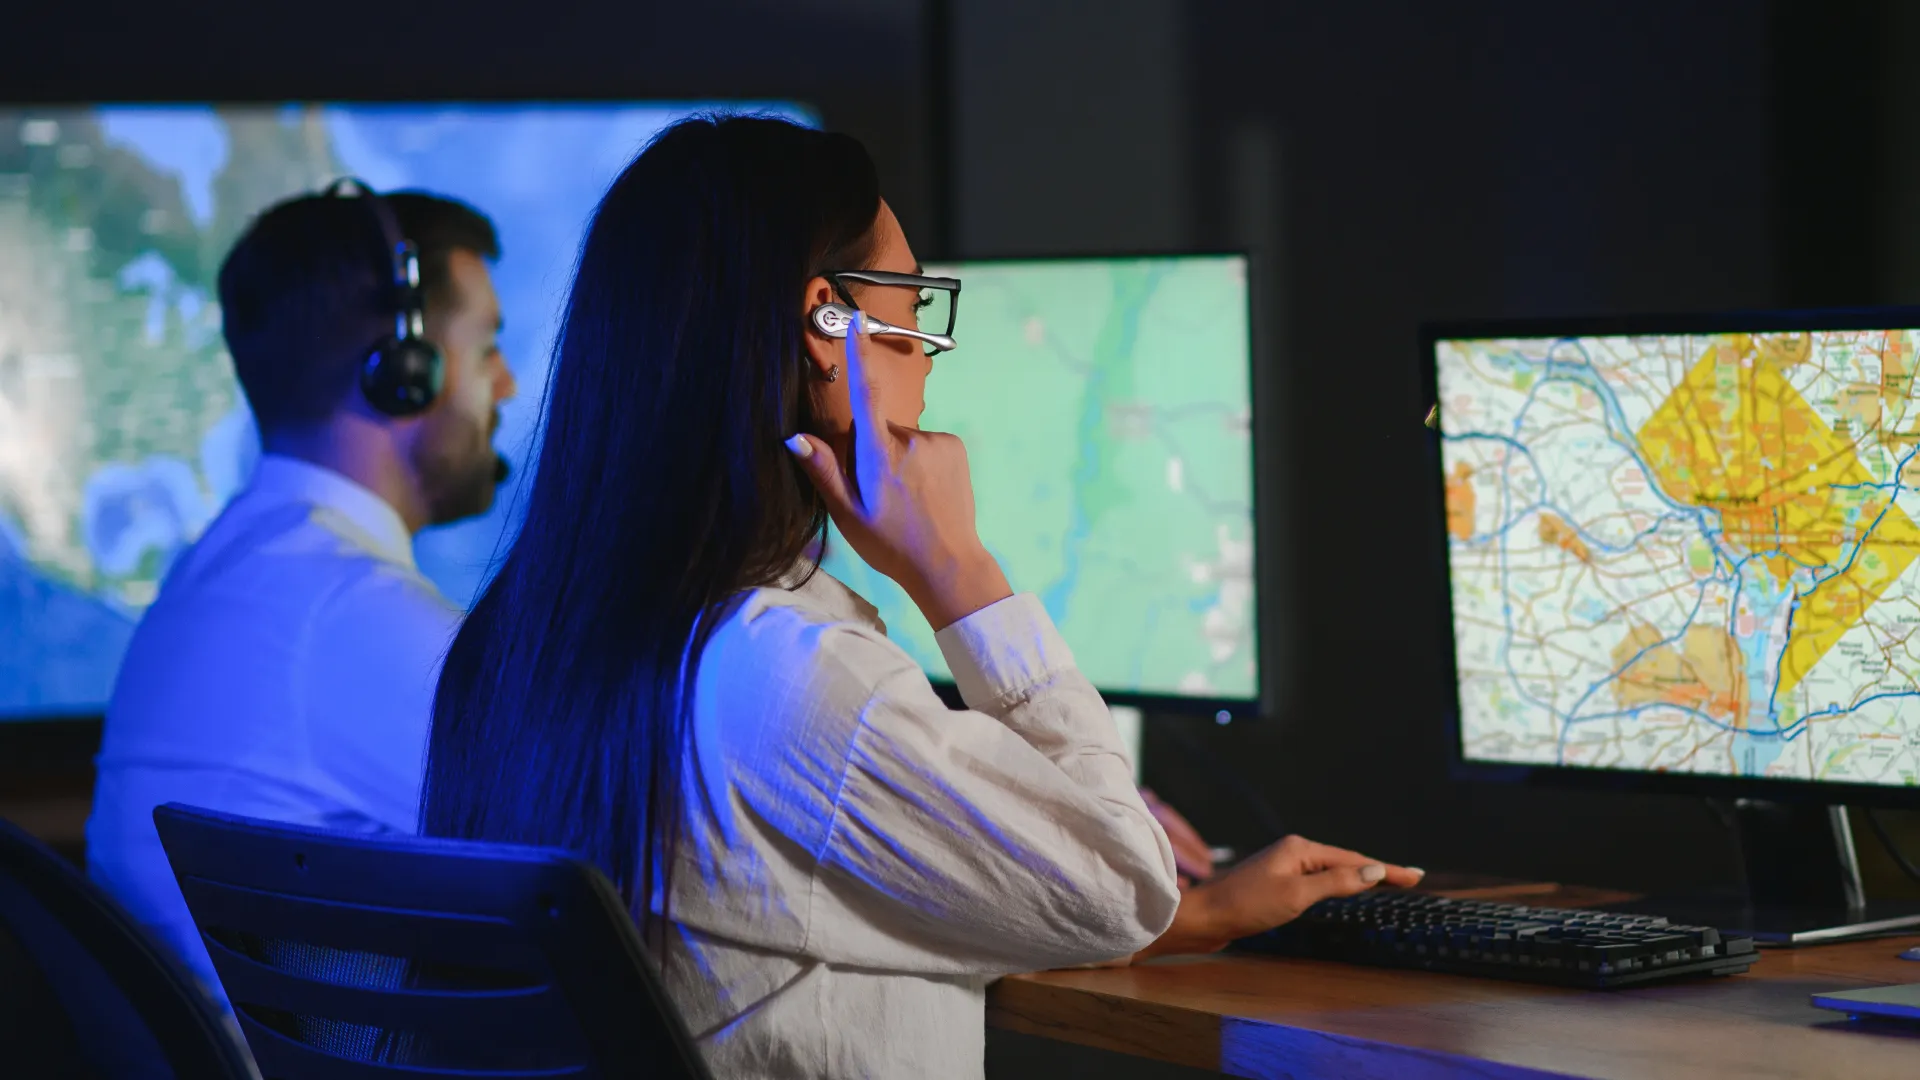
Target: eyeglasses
[[939, 303]]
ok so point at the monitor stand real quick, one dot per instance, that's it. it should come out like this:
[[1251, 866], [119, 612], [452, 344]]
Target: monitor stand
[[1803, 882]]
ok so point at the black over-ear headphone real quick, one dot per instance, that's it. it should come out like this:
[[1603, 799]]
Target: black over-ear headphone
[[403, 371]]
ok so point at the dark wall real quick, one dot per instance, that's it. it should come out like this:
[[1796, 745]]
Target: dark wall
[[861, 62]]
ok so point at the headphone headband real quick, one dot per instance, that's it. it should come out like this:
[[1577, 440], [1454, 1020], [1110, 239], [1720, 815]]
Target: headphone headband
[[410, 316], [402, 372]]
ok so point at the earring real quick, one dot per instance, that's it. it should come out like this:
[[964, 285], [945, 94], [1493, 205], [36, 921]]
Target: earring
[[833, 373]]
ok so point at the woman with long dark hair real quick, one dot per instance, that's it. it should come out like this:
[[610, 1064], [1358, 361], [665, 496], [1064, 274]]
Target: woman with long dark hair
[[830, 862]]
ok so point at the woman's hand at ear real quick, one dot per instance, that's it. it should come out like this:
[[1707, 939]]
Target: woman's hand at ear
[[1268, 889], [905, 502]]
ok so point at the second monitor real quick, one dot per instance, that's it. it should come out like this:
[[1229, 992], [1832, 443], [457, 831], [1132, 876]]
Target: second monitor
[[1106, 405]]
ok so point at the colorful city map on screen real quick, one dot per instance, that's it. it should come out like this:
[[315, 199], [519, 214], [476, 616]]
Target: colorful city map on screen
[[1687, 553]]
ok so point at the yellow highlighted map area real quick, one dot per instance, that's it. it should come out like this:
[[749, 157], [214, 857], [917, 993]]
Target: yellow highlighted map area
[[1737, 438]]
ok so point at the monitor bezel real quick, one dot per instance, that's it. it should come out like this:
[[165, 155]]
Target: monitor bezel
[[1212, 707], [1462, 767]]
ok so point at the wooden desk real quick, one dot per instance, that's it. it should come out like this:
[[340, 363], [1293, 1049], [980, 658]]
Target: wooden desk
[[1271, 1017]]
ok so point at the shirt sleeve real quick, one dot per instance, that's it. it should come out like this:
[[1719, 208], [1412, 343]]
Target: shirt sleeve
[[1007, 837], [370, 668]]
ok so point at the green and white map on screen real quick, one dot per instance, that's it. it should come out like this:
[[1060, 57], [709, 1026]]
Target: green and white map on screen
[[1105, 405]]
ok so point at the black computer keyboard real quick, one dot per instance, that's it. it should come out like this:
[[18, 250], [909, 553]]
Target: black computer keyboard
[[1507, 941]]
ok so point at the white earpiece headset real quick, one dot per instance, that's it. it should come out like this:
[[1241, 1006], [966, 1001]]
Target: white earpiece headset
[[834, 320]]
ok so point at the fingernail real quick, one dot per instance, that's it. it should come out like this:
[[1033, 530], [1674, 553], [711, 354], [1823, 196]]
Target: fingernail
[[1416, 871], [800, 446], [1372, 872], [859, 321]]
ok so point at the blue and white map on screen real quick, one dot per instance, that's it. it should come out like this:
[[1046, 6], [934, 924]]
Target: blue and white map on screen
[[122, 431]]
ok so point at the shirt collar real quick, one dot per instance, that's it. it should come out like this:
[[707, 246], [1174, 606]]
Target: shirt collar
[[374, 520], [825, 593]]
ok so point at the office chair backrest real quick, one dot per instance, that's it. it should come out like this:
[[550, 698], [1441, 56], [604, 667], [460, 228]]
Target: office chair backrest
[[349, 957], [87, 992]]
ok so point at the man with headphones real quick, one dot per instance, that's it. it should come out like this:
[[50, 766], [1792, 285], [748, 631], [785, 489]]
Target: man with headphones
[[287, 668]]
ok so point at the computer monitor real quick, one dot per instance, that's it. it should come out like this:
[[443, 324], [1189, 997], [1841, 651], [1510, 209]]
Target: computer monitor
[[122, 430], [1680, 555], [1106, 406]]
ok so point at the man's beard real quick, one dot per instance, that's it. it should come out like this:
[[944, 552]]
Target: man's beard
[[458, 469]]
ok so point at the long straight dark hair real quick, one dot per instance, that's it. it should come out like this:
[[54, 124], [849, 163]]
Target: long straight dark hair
[[662, 492]]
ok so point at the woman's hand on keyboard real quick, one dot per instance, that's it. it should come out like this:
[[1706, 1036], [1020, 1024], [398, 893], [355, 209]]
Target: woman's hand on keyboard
[[1192, 858], [1271, 888]]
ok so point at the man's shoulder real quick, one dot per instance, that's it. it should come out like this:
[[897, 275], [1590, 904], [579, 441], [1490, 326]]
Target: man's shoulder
[[295, 557], [290, 597], [370, 602], [369, 581]]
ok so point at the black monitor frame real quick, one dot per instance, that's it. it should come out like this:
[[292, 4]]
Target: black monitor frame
[[1587, 777], [1220, 710]]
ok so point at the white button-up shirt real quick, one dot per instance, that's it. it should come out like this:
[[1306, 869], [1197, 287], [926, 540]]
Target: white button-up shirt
[[286, 671], [859, 861]]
